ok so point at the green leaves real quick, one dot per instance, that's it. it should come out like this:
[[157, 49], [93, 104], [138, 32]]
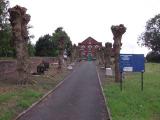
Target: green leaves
[[48, 45], [6, 50], [151, 37], [60, 38], [44, 46]]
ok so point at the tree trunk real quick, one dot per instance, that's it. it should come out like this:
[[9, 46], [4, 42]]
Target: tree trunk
[[117, 31], [60, 56], [19, 20], [117, 69]]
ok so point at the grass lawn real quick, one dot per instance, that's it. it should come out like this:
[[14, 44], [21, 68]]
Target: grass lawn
[[6, 58], [132, 103], [14, 98]]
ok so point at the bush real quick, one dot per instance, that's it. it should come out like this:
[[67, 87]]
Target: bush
[[153, 57]]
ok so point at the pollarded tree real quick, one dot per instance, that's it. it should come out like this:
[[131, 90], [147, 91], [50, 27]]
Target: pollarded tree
[[74, 52], [19, 21], [69, 50], [61, 39], [118, 31], [107, 54], [151, 37]]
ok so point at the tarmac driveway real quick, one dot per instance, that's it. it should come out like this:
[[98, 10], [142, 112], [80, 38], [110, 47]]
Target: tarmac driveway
[[78, 98]]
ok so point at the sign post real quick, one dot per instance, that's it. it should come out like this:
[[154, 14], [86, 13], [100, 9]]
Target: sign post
[[121, 81], [142, 81], [132, 63]]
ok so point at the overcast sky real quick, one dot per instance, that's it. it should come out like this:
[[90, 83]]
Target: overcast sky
[[84, 18]]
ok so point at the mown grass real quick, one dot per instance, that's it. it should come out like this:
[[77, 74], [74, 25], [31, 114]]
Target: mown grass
[[6, 58], [16, 98], [7, 115], [6, 97], [27, 97], [13, 102], [131, 103]]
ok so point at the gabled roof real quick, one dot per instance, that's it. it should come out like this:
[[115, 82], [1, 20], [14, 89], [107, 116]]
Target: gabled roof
[[90, 40]]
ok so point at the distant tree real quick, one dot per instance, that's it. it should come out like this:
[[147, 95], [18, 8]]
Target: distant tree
[[45, 46], [62, 41], [151, 37], [153, 57], [4, 5], [74, 52], [107, 54], [69, 50], [31, 49], [6, 49], [60, 36]]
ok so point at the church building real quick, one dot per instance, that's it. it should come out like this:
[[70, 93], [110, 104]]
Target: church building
[[87, 48]]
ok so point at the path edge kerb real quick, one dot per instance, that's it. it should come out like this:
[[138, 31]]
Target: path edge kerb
[[44, 96], [106, 103]]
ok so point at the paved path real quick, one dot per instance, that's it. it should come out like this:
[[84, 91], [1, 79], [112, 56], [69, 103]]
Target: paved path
[[78, 98]]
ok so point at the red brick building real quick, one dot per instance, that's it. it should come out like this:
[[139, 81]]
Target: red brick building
[[87, 48]]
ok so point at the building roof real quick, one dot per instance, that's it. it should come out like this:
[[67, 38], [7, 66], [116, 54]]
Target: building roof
[[90, 40]]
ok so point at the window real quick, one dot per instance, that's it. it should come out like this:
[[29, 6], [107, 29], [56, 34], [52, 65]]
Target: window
[[82, 46], [89, 47], [96, 46]]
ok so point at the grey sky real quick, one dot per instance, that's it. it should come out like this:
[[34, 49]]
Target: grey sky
[[84, 18]]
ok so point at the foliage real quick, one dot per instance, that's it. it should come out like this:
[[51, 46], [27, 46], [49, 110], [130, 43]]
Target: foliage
[[62, 40], [6, 45], [50, 45], [151, 37], [6, 50], [4, 4], [31, 49], [153, 57], [69, 48], [45, 46], [132, 103]]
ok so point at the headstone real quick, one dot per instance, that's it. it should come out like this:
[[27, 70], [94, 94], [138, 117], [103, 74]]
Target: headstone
[[69, 67], [73, 64], [109, 72]]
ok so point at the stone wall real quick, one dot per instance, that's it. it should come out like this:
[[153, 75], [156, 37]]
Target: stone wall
[[8, 68]]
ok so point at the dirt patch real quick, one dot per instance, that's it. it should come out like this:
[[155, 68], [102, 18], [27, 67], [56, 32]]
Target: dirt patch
[[6, 89]]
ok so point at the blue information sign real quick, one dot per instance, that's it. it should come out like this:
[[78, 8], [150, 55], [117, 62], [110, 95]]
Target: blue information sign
[[132, 62]]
